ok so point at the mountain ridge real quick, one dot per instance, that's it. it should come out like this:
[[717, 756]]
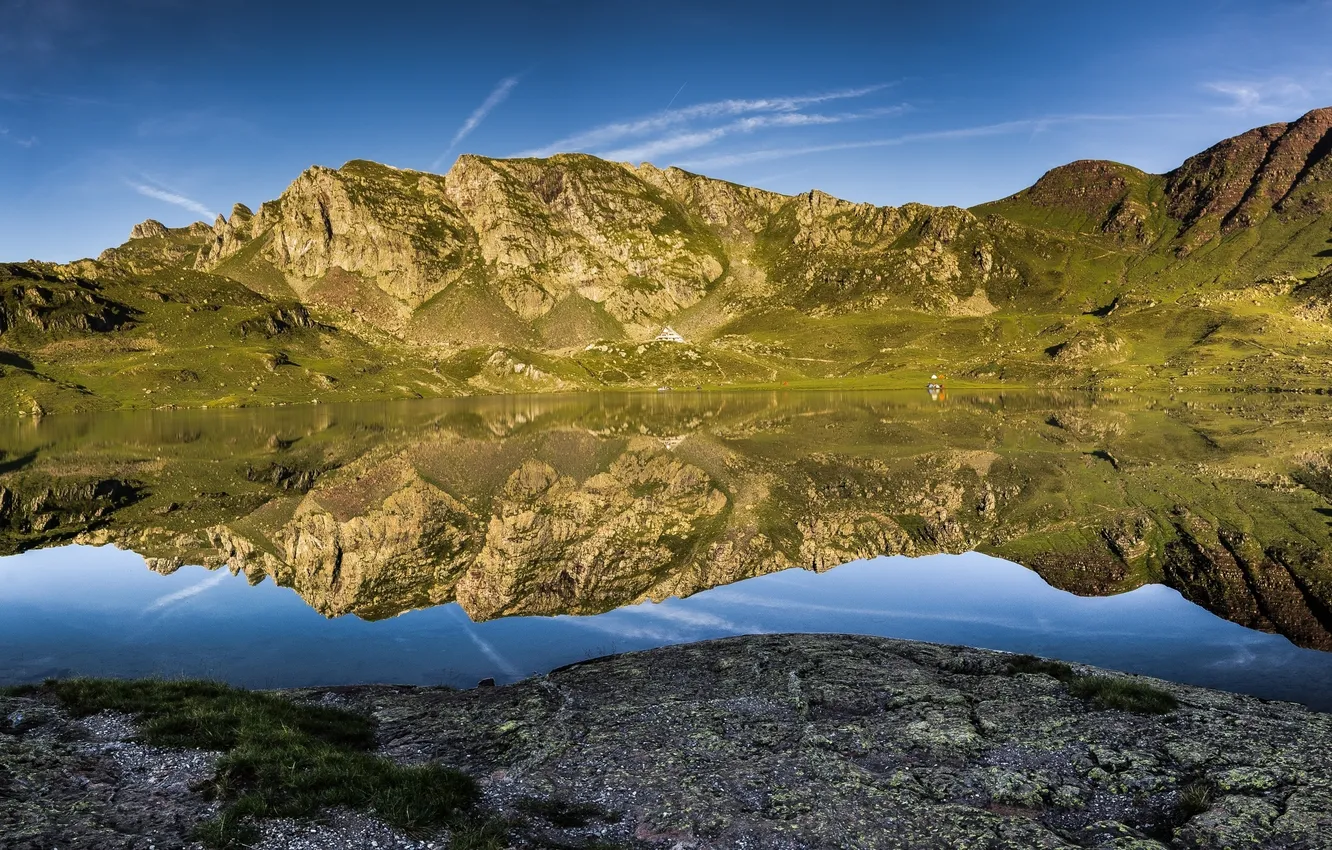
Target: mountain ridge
[[557, 273]]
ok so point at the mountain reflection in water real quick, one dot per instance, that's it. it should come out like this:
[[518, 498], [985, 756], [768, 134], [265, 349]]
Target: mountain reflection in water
[[582, 504]]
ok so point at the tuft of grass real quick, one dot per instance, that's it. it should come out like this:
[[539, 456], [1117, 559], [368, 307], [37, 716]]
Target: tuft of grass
[[280, 758], [227, 829], [1194, 799], [480, 834], [1123, 695], [1104, 692]]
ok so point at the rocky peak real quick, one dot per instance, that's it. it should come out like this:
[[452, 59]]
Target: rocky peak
[[149, 229], [394, 228], [1089, 196], [1089, 186], [1238, 182]]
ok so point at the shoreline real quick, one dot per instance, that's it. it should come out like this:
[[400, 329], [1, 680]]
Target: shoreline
[[755, 741]]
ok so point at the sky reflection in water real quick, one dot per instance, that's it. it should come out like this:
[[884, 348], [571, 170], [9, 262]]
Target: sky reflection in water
[[80, 610]]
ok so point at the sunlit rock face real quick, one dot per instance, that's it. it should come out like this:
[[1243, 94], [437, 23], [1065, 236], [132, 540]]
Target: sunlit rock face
[[573, 237], [581, 504]]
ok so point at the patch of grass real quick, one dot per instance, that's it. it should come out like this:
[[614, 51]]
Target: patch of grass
[[564, 813], [280, 758], [1031, 664], [209, 715], [227, 829], [19, 690], [480, 834], [1123, 695], [1103, 692]]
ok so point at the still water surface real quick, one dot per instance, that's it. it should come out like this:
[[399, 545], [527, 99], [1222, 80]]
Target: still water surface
[[452, 540], [97, 611]]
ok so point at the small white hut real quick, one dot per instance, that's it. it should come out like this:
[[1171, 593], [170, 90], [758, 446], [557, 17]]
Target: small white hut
[[669, 334]]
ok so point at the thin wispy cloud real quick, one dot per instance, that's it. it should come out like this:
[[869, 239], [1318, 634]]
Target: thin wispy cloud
[[692, 140], [173, 198], [21, 141], [671, 102], [486, 648], [1031, 125], [497, 96], [1242, 96], [1271, 95], [187, 593], [601, 138], [663, 623]]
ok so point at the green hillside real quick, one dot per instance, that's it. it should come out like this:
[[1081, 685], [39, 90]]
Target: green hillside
[[523, 275]]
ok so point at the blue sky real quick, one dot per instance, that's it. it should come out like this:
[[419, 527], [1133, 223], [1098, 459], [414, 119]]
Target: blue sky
[[113, 111]]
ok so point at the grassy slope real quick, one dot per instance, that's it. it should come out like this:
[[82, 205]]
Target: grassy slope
[[1090, 292]]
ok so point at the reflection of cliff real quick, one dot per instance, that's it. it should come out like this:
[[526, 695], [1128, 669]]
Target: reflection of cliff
[[581, 505], [557, 545]]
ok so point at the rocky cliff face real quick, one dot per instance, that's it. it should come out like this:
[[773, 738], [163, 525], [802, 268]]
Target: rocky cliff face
[[641, 244], [395, 229]]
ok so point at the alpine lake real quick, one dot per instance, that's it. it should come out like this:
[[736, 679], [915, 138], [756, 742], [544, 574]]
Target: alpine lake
[[450, 541]]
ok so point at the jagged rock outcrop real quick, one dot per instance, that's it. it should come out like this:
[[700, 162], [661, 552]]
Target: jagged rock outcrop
[[640, 244], [394, 230], [576, 224], [737, 211], [148, 229], [43, 303]]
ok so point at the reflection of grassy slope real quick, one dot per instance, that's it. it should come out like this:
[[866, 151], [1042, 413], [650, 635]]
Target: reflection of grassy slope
[[1099, 496]]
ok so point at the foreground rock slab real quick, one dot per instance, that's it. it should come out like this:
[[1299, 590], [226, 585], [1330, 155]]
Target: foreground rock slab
[[805, 741]]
